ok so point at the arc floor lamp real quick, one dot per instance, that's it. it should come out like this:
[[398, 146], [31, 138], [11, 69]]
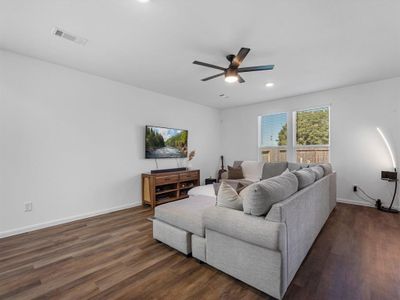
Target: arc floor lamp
[[390, 176]]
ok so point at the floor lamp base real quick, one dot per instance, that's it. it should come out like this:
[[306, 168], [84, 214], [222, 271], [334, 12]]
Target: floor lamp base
[[388, 210]]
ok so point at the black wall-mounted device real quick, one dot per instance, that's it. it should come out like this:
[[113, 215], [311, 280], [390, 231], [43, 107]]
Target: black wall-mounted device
[[389, 175]]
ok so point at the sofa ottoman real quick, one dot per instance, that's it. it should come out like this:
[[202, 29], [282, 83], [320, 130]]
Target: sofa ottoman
[[176, 223]]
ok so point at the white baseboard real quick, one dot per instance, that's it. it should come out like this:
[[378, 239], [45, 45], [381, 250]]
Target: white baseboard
[[362, 203], [29, 228], [355, 202]]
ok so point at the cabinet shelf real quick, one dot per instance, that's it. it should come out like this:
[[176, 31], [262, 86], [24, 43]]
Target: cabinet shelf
[[165, 191], [186, 187]]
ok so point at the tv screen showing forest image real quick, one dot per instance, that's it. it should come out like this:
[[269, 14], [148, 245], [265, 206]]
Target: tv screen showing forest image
[[164, 142]]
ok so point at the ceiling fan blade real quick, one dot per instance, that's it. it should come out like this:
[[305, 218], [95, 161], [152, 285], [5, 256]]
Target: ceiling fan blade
[[212, 77], [241, 80], [208, 65], [257, 68], [238, 59]]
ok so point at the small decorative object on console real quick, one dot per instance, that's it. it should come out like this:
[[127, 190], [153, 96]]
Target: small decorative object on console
[[210, 180], [192, 154]]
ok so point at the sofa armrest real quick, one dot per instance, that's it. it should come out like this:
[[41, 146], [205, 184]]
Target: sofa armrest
[[304, 214], [251, 229]]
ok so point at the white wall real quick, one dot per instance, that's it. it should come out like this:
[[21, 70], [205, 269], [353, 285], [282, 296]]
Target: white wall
[[357, 152], [73, 143]]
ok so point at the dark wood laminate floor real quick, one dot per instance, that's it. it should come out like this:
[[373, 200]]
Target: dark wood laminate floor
[[356, 256]]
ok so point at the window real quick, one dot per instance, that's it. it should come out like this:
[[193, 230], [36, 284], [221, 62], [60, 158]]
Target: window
[[273, 137], [312, 135], [303, 138]]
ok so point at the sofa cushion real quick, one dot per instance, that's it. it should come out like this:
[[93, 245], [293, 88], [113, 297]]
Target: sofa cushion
[[232, 182], [235, 173], [273, 169], [327, 168], [185, 214], [251, 229], [259, 197], [237, 163], [252, 170], [294, 166], [305, 177], [228, 197], [202, 190], [318, 171], [298, 166]]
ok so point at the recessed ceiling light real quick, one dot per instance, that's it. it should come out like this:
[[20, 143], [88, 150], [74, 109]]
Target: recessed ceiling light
[[269, 84], [143, 1]]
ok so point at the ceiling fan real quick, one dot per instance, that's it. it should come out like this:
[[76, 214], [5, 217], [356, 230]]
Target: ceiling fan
[[232, 72]]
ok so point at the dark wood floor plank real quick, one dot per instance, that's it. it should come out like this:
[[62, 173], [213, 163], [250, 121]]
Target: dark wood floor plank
[[113, 256]]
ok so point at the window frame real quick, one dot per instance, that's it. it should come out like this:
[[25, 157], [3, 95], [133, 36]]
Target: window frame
[[279, 148], [291, 147], [295, 127]]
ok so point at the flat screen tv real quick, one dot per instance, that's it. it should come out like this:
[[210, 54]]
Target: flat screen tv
[[162, 142]]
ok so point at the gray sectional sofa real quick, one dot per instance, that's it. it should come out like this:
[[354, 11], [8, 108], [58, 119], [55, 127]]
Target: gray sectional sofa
[[263, 251]]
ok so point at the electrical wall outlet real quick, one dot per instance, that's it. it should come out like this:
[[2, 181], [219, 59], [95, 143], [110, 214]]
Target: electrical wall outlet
[[355, 188], [28, 206]]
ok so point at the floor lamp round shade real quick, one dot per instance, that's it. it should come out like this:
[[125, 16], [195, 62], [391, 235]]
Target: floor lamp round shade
[[388, 147]]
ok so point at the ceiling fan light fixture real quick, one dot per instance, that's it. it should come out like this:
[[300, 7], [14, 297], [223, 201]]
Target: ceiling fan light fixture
[[231, 73], [231, 79], [231, 76]]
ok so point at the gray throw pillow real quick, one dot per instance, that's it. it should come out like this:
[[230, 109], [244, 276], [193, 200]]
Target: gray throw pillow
[[327, 168], [273, 169], [260, 196], [318, 171], [235, 173], [236, 185], [228, 197], [305, 177]]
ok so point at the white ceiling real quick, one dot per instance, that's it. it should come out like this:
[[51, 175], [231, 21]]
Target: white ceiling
[[314, 44]]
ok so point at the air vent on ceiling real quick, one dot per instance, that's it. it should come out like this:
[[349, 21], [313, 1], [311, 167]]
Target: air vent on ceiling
[[65, 35]]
